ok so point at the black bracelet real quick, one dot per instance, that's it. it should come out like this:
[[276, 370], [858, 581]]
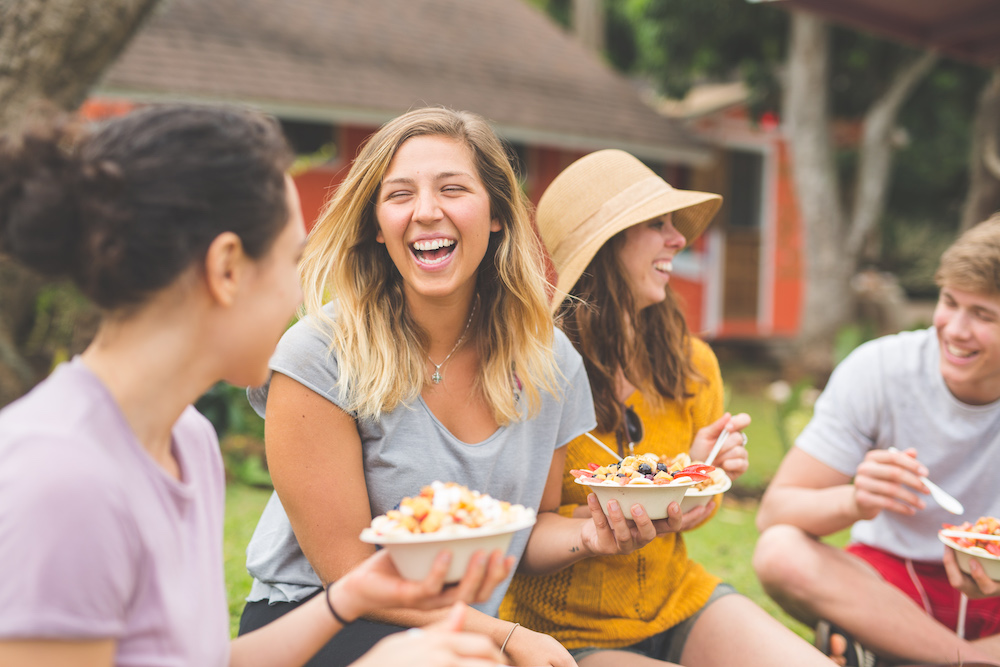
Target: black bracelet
[[333, 611]]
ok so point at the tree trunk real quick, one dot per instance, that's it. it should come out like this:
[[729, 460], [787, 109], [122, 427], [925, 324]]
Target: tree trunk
[[834, 245], [983, 198], [55, 50], [588, 24], [828, 302], [51, 52], [877, 149]]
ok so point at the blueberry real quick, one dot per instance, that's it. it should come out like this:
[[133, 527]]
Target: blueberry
[[621, 474], [649, 477], [644, 469], [662, 467]]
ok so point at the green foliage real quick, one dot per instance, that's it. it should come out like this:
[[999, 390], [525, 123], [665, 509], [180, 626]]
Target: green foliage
[[64, 323], [849, 337], [682, 42], [912, 247], [240, 431], [229, 411], [324, 155], [931, 170], [559, 10]]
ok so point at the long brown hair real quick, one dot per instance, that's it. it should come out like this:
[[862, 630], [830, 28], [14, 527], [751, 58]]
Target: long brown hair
[[650, 346]]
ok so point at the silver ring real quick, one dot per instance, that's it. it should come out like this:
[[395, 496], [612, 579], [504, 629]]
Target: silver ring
[[744, 439]]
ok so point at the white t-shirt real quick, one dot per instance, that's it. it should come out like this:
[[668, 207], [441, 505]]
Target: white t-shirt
[[97, 541], [890, 392]]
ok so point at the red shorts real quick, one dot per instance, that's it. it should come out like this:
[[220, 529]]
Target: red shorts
[[982, 617]]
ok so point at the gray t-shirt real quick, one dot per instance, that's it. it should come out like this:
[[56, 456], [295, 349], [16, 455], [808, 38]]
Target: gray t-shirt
[[890, 392], [409, 448]]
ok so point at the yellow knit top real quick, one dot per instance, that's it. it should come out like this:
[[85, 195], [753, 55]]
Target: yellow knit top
[[615, 601]]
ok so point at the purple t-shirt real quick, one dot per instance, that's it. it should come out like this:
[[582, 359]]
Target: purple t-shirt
[[97, 541]]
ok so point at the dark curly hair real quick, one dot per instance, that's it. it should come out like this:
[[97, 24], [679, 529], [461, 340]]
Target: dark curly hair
[[123, 208]]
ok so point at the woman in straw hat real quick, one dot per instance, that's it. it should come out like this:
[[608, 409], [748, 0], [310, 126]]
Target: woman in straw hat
[[180, 223], [436, 359], [613, 228]]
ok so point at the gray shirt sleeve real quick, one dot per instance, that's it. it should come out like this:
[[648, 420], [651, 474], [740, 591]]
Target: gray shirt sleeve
[[847, 415], [304, 355]]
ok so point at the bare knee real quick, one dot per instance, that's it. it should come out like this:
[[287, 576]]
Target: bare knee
[[786, 562]]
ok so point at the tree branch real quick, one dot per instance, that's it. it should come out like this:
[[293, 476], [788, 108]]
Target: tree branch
[[991, 154], [875, 160]]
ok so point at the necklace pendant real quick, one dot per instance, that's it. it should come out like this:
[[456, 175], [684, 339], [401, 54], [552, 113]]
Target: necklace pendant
[[436, 378]]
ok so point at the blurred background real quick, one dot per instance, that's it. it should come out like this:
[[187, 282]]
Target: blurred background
[[852, 141]]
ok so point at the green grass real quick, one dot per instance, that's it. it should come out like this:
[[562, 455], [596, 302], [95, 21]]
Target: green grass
[[763, 443], [724, 546], [244, 505]]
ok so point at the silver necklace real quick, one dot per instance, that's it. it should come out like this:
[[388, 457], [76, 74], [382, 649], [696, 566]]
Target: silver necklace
[[437, 377]]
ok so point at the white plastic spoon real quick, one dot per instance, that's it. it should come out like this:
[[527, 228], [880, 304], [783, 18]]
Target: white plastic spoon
[[948, 502], [717, 446]]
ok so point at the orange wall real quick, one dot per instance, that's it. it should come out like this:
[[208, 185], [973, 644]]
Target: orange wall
[[788, 265]]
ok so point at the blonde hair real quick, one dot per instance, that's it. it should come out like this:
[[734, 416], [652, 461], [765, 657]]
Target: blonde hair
[[973, 261], [381, 349]]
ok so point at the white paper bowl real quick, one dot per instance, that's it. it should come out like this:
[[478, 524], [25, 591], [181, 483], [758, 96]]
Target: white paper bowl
[[414, 554], [695, 498], [654, 498], [963, 555]]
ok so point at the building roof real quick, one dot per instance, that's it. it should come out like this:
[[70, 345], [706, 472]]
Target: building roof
[[364, 62], [968, 30]]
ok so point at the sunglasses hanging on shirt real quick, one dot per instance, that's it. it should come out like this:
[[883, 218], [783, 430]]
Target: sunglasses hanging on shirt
[[631, 430]]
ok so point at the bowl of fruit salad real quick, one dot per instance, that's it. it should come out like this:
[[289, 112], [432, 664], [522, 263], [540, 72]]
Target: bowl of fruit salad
[[967, 546], [699, 494], [445, 516], [642, 480]]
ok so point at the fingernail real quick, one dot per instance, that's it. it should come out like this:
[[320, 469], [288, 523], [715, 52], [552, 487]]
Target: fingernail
[[613, 506], [637, 510], [923, 471]]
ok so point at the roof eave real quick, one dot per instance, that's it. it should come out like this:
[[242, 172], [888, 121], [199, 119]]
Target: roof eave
[[693, 154]]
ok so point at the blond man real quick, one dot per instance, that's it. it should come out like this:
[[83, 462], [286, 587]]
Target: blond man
[[934, 395]]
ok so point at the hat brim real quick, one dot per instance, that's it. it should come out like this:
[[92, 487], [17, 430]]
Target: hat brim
[[692, 213]]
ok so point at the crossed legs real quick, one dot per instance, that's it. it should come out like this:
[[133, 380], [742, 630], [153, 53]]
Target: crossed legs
[[814, 581]]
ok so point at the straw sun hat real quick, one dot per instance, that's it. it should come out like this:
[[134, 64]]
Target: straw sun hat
[[601, 194]]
